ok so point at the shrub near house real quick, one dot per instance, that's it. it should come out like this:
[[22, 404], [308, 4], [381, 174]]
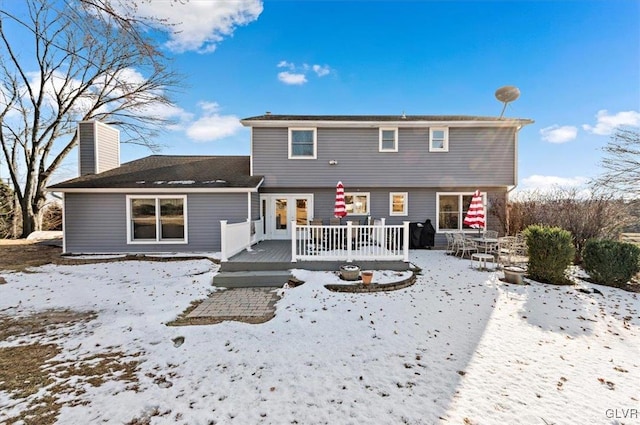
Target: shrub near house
[[551, 251], [611, 262]]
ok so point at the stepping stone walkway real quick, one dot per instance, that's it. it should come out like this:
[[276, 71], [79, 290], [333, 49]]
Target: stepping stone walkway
[[238, 303]]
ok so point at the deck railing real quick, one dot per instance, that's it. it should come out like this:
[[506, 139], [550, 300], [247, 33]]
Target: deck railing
[[257, 231], [353, 242], [236, 237]]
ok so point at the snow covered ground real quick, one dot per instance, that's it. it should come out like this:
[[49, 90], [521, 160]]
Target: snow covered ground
[[458, 347]]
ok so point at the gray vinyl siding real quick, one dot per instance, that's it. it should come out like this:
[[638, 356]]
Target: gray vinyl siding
[[107, 144], [97, 223], [422, 205], [86, 148], [98, 148], [255, 206], [476, 157]]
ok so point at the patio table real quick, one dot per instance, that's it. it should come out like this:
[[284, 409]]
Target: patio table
[[486, 243]]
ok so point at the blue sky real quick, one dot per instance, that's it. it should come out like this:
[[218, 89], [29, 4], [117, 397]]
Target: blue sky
[[576, 63]]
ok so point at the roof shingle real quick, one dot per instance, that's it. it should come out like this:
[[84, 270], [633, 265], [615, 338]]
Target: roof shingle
[[164, 171]]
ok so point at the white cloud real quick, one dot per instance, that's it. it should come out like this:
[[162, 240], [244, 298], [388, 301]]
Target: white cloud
[[58, 83], [213, 126], [168, 112], [297, 74], [559, 134], [285, 64], [292, 79], [321, 71], [112, 85], [549, 183], [201, 25], [127, 77], [607, 123]]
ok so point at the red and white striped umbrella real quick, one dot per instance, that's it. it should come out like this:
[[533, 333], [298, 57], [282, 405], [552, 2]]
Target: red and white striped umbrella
[[475, 214], [340, 209]]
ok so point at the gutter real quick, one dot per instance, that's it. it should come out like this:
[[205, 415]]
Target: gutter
[[518, 123]]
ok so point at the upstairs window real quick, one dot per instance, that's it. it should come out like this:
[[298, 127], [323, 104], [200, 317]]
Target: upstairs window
[[388, 140], [438, 139], [302, 143]]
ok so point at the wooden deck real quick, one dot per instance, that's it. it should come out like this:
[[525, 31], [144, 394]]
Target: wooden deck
[[276, 255], [266, 252]]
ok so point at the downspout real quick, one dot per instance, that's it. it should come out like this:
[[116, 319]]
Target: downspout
[[515, 174], [64, 224], [251, 151]]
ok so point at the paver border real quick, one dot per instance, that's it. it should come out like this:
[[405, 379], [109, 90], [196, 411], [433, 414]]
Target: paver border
[[373, 287]]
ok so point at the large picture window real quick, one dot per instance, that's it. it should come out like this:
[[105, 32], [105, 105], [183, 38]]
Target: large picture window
[[157, 219], [357, 203], [452, 208], [302, 143]]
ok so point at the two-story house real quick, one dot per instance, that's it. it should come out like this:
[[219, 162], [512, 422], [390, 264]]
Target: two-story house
[[401, 168]]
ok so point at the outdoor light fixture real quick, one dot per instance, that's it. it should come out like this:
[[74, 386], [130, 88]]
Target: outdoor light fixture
[[333, 162]]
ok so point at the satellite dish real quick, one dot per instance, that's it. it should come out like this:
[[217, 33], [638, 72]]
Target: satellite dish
[[507, 94]]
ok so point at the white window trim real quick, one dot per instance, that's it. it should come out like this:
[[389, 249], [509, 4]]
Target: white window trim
[[445, 144], [368, 195], [315, 142], [395, 139], [462, 211], [158, 241], [405, 210]]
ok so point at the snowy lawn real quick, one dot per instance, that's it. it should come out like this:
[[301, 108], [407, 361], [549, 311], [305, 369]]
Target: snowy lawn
[[458, 347]]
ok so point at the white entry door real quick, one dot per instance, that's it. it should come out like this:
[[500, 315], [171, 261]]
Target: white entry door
[[282, 210]]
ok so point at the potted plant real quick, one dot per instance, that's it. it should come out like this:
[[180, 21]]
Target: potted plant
[[513, 274], [367, 276], [349, 272]]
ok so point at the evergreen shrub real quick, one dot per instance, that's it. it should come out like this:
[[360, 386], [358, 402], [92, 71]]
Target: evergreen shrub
[[550, 251], [611, 262]]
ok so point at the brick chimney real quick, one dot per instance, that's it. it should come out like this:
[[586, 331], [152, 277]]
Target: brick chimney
[[98, 147]]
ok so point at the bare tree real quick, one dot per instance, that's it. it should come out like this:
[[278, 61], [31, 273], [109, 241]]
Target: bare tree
[[125, 14], [596, 215], [622, 163], [79, 64]]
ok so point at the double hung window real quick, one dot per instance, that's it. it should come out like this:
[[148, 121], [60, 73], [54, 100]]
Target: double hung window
[[302, 143], [157, 219], [398, 203], [438, 139], [388, 140]]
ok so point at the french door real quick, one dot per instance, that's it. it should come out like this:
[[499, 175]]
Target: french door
[[280, 210]]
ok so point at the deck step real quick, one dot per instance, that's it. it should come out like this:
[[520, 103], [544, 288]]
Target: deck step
[[251, 279]]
